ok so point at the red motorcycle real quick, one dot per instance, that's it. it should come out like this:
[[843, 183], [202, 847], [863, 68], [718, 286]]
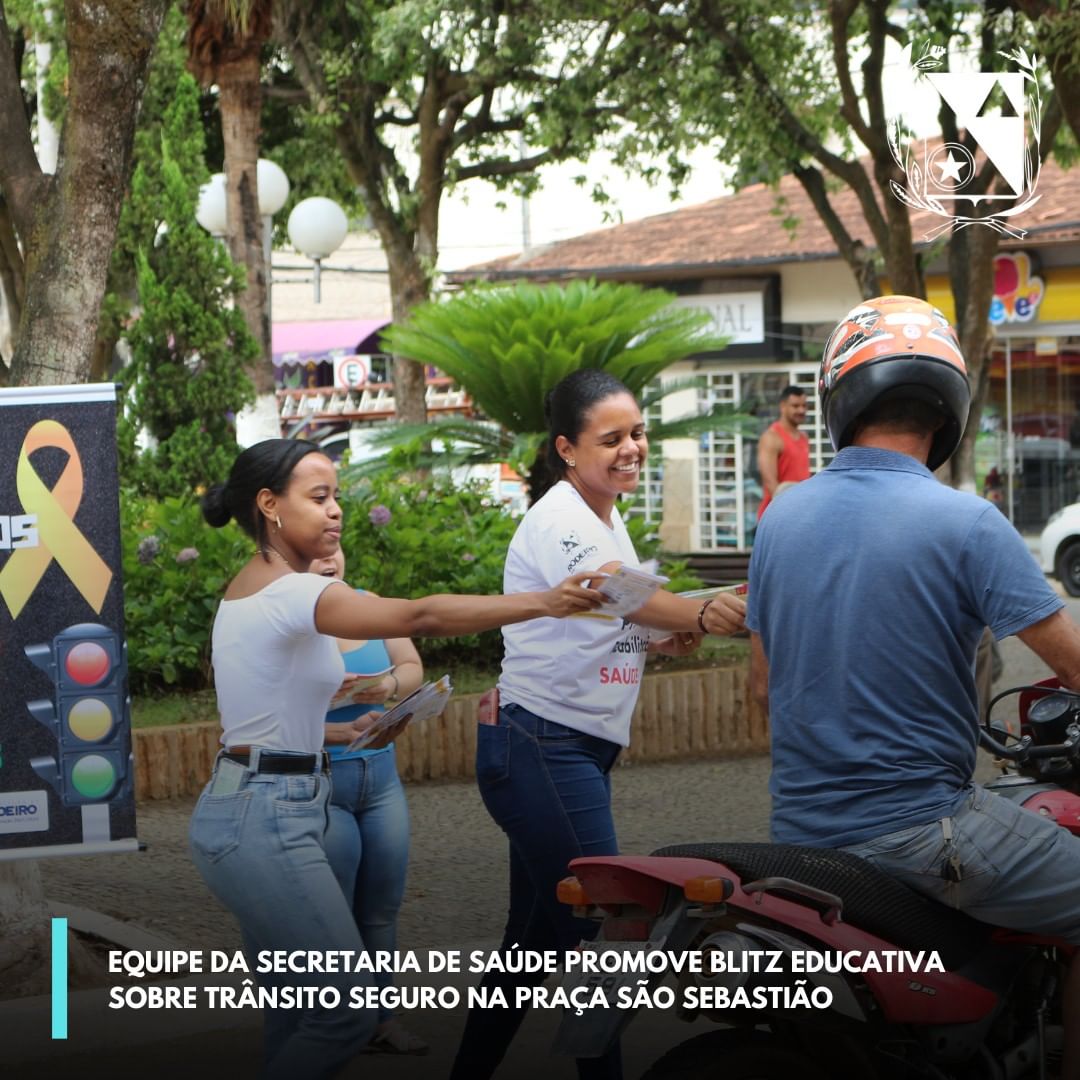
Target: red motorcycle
[[819, 965]]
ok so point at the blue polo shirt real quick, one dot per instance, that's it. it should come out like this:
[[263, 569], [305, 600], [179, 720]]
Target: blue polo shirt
[[870, 586]]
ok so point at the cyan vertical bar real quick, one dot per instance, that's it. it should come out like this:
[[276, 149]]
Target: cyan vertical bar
[[59, 978]]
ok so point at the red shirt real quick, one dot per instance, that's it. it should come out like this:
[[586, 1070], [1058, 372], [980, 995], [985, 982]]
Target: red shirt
[[793, 462]]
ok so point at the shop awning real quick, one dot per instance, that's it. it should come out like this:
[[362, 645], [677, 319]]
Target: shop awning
[[317, 340], [305, 352]]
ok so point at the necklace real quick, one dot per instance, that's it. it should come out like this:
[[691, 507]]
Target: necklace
[[271, 550]]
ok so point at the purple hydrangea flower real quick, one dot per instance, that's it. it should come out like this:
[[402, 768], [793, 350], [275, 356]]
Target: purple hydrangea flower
[[186, 555], [379, 515]]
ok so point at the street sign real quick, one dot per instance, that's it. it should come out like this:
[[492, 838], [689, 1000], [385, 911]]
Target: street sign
[[350, 371]]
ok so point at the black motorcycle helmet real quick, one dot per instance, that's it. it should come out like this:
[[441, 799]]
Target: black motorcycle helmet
[[894, 347]]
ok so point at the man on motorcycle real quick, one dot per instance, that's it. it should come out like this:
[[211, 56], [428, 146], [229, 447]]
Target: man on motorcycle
[[870, 586]]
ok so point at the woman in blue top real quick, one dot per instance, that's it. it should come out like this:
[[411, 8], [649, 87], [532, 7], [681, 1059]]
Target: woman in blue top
[[367, 841]]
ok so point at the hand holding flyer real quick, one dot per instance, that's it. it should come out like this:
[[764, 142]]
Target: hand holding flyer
[[355, 686], [429, 701], [628, 589]]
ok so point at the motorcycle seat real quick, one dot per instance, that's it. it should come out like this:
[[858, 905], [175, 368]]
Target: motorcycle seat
[[872, 900]]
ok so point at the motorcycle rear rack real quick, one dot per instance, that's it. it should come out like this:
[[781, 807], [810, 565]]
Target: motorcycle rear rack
[[828, 905]]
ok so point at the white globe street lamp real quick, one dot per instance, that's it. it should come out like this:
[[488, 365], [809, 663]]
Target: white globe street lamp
[[317, 228], [210, 211], [273, 187]]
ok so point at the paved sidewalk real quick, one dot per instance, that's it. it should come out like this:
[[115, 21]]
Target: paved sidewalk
[[456, 898], [458, 864]]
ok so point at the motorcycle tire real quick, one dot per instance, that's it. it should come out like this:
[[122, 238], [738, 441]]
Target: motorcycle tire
[[735, 1055]]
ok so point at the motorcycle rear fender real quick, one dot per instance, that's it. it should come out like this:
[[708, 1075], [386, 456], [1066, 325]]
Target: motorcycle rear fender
[[640, 880], [927, 997], [590, 1034]]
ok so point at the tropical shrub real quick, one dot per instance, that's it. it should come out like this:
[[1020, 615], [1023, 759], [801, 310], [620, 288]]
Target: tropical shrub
[[175, 571], [508, 345], [414, 537]]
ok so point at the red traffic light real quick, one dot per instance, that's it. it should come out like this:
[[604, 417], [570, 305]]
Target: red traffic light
[[87, 663]]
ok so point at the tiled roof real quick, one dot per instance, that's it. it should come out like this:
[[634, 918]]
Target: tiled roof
[[746, 230]]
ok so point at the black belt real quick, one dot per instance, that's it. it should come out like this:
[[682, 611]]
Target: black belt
[[270, 762]]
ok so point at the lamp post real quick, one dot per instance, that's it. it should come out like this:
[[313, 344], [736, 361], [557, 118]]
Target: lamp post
[[273, 187], [317, 228]]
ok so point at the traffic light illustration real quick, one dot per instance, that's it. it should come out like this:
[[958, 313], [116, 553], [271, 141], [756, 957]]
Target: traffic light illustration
[[88, 666]]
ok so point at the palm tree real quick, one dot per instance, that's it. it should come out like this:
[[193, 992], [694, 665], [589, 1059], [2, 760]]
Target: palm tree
[[508, 345], [225, 40]]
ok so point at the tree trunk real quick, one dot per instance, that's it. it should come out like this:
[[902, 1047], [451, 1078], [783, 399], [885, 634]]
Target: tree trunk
[[409, 286], [971, 270], [69, 225], [12, 276], [241, 103], [74, 225]]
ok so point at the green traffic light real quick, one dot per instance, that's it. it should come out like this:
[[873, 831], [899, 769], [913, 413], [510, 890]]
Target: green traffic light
[[93, 776]]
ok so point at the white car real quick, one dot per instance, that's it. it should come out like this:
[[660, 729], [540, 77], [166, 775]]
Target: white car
[[1060, 548]]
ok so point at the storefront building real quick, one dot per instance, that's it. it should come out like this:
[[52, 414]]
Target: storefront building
[[776, 296], [1030, 447]]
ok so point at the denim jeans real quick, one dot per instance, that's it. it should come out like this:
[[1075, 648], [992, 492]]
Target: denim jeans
[[367, 844], [1012, 867], [260, 850], [548, 787]]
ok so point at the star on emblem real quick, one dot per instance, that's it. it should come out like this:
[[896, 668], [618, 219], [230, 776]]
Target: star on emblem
[[951, 168]]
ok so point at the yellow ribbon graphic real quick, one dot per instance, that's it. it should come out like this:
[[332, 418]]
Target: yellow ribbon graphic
[[58, 536]]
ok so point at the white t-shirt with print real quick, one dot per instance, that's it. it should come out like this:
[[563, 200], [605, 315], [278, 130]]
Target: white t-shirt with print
[[582, 671], [273, 671]]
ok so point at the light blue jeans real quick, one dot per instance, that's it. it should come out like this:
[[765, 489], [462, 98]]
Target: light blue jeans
[[1013, 868], [367, 844], [260, 850]]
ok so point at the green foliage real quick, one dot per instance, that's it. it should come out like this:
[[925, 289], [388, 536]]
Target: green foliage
[[415, 537], [41, 21], [175, 571], [509, 344], [189, 344], [442, 444], [402, 537]]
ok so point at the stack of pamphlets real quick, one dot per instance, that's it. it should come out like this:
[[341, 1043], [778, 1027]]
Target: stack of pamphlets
[[429, 701]]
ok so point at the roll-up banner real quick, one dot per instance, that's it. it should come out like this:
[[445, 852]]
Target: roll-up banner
[[66, 771]]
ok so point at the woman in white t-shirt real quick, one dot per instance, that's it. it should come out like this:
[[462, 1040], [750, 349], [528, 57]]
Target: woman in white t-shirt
[[257, 831], [568, 689]]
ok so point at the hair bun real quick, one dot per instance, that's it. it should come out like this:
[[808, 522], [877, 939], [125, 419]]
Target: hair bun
[[215, 506]]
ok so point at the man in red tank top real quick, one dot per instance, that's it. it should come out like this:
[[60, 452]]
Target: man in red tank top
[[784, 451]]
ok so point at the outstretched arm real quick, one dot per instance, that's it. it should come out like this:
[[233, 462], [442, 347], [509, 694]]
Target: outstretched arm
[[344, 613], [666, 611]]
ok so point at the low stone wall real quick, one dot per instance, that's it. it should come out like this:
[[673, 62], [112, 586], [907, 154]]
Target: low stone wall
[[679, 715]]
